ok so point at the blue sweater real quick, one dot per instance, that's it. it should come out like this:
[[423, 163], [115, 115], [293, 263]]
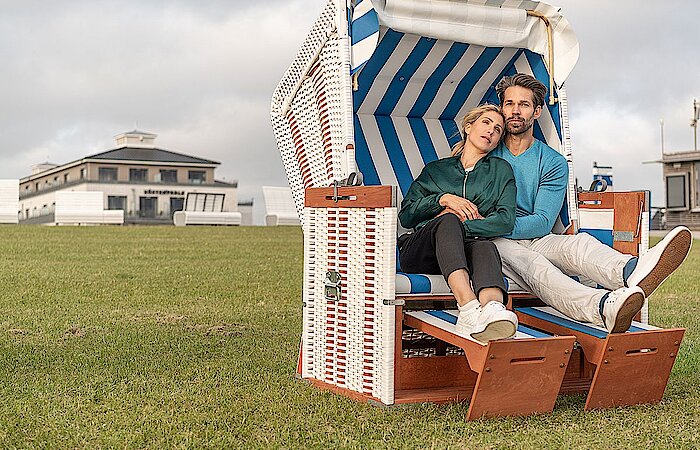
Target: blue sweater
[[541, 176]]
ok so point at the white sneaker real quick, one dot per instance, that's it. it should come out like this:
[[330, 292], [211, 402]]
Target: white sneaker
[[494, 322], [661, 260], [468, 315], [620, 308]]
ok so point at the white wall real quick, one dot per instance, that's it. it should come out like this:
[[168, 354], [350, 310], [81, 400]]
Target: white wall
[[9, 201]]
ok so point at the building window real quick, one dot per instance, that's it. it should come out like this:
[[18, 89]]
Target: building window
[[168, 176], [83, 174], [176, 204], [36, 187], [196, 176], [66, 178], [140, 175], [108, 174], [676, 192], [148, 207], [116, 202]]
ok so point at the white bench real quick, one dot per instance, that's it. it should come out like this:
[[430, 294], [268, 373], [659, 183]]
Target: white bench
[[85, 208], [9, 201], [182, 218], [279, 206]]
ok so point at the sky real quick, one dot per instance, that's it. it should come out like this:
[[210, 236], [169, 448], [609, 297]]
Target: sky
[[201, 74]]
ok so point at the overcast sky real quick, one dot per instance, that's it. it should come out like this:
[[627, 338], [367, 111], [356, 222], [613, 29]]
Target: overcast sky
[[201, 74]]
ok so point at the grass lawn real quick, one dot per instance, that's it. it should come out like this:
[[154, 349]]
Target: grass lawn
[[188, 337]]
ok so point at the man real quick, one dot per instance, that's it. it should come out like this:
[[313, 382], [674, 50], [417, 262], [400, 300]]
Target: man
[[540, 261]]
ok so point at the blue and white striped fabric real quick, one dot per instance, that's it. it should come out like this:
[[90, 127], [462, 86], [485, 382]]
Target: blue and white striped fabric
[[414, 283], [364, 34], [599, 223], [447, 320], [552, 315], [414, 90]]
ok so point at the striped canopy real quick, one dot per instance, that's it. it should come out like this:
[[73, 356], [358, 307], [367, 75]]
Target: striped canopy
[[414, 90], [418, 82]]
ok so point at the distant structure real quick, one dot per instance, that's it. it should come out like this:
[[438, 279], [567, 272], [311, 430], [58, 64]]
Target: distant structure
[[681, 172], [604, 173], [279, 206], [245, 207], [148, 183]]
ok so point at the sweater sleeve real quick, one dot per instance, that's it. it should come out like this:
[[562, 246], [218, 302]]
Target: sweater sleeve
[[548, 203], [501, 220], [421, 201]]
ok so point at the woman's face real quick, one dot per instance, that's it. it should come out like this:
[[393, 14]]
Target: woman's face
[[486, 131]]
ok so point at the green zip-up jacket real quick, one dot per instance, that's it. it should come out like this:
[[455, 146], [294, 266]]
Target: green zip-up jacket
[[490, 186]]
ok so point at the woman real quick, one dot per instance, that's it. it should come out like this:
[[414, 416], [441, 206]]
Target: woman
[[453, 205]]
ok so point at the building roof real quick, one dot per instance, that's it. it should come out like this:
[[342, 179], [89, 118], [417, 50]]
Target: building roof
[[149, 154], [676, 157]]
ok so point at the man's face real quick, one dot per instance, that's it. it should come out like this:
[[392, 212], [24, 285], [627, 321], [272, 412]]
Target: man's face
[[520, 110]]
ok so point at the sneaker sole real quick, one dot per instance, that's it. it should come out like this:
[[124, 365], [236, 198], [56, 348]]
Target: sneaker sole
[[627, 311], [500, 329], [671, 258]]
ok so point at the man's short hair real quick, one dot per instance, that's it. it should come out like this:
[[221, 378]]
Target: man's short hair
[[539, 90]]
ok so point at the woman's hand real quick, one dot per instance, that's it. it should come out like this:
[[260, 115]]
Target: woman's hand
[[459, 206]]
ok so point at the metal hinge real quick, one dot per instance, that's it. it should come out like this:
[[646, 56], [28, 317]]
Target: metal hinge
[[394, 302]]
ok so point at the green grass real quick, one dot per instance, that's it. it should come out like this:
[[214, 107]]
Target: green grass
[[188, 337]]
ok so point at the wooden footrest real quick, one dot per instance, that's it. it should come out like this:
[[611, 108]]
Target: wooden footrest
[[630, 368], [518, 376]]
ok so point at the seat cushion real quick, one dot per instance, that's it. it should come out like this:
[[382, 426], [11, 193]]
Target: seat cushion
[[414, 283], [422, 284]]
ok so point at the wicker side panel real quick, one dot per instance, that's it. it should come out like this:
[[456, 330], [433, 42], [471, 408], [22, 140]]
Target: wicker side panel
[[322, 28], [312, 111], [308, 336], [350, 342]]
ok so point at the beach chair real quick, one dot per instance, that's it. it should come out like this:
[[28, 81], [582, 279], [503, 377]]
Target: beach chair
[[279, 206], [377, 89], [9, 201]]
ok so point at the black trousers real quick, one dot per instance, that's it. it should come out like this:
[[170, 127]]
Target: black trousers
[[441, 247]]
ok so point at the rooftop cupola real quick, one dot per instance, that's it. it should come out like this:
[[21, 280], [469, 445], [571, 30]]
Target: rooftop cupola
[[136, 138]]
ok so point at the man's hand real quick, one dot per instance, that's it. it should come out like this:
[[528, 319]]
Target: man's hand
[[459, 206]]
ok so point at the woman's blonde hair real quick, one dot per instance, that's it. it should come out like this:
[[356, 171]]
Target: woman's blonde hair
[[471, 117]]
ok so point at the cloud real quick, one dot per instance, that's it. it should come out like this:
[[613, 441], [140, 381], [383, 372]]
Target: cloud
[[201, 74]]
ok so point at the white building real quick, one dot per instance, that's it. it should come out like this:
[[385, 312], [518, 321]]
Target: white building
[[147, 182]]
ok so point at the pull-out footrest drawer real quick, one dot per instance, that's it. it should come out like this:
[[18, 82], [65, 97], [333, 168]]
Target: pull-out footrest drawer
[[630, 368], [517, 376]]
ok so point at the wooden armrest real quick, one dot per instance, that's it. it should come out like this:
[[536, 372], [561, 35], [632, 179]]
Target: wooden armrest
[[351, 197]]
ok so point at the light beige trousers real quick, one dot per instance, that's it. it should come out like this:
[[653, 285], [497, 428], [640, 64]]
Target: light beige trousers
[[543, 267]]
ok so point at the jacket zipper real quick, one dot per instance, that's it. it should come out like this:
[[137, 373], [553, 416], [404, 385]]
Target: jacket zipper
[[464, 186]]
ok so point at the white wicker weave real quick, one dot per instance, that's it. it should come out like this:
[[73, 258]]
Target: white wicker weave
[[312, 109], [350, 343]]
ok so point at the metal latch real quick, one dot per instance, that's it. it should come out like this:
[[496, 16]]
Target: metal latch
[[331, 290], [354, 179]]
